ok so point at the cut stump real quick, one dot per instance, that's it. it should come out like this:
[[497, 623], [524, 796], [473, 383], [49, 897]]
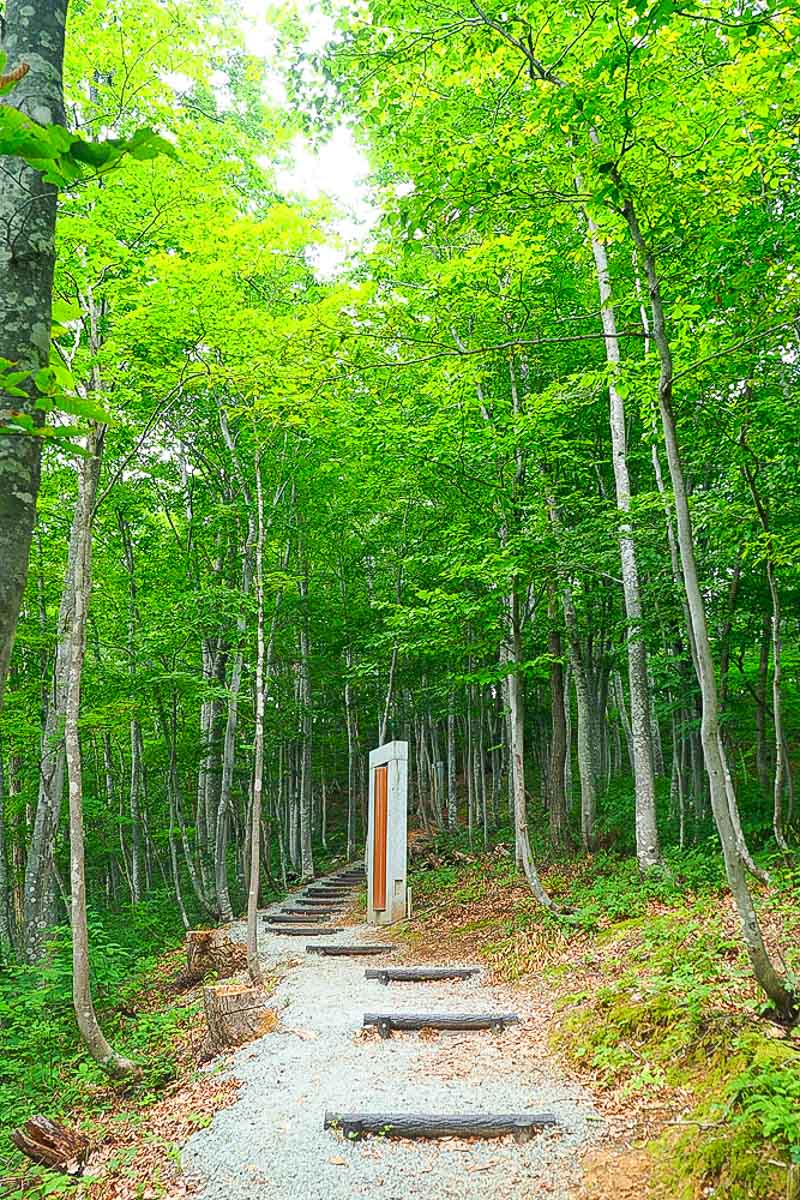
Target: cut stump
[[211, 950], [236, 1013], [49, 1144]]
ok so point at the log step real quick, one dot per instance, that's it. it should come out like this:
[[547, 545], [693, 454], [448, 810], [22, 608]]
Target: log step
[[335, 951], [320, 892], [312, 913], [385, 1023], [302, 930], [417, 1125], [319, 904], [295, 919], [388, 975]]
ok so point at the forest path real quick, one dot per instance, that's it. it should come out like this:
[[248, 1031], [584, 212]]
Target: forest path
[[271, 1145]]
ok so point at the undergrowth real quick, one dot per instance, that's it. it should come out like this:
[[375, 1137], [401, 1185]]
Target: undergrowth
[[45, 1069], [654, 995]]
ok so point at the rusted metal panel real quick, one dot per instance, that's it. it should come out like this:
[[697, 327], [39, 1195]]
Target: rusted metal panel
[[379, 842]]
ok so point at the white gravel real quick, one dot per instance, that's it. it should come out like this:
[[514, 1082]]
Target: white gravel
[[271, 1145]]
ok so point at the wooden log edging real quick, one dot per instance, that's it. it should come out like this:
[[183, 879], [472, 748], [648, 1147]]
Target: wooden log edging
[[302, 930], [334, 951], [385, 1023], [418, 1125], [312, 914], [288, 918], [385, 975]]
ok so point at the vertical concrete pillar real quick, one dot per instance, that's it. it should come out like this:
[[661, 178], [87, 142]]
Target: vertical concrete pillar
[[387, 838]]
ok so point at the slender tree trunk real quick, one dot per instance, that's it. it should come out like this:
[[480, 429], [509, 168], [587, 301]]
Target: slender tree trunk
[[351, 765], [39, 881], [762, 745], [306, 810], [452, 803], [88, 1024], [777, 655], [6, 943], [559, 830], [135, 812], [253, 961], [513, 689], [722, 798], [648, 851]]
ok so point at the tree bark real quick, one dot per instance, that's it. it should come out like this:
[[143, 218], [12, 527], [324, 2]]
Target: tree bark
[[559, 830], [253, 961], [236, 1013], [88, 1024], [452, 803], [39, 883], [33, 34], [648, 851], [306, 720], [722, 798], [777, 655], [512, 653]]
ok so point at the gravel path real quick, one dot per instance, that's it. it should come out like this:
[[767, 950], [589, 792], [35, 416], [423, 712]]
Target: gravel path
[[270, 1145]]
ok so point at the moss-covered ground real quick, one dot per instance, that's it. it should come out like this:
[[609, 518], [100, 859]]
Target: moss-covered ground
[[652, 997]]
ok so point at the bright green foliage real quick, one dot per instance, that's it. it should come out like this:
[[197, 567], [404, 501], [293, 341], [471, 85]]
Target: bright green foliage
[[417, 421]]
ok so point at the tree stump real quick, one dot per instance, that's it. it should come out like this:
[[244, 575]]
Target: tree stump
[[51, 1145], [236, 1013], [210, 950]]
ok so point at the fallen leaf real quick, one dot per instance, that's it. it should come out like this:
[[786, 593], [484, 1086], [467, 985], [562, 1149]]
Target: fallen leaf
[[337, 1162]]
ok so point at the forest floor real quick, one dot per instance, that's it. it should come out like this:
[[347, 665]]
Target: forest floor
[[641, 1029], [271, 1145]]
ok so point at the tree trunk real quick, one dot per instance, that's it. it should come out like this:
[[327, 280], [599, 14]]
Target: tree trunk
[[648, 851], [762, 745], [39, 883], [32, 34], [777, 654], [306, 809], [88, 1024], [6, 943], [559, 831], [512, 653], [253, 961], [351, 765], [722, 799], [452, 804]]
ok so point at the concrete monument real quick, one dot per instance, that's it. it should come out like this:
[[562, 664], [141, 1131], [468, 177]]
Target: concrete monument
[[387, 852]]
